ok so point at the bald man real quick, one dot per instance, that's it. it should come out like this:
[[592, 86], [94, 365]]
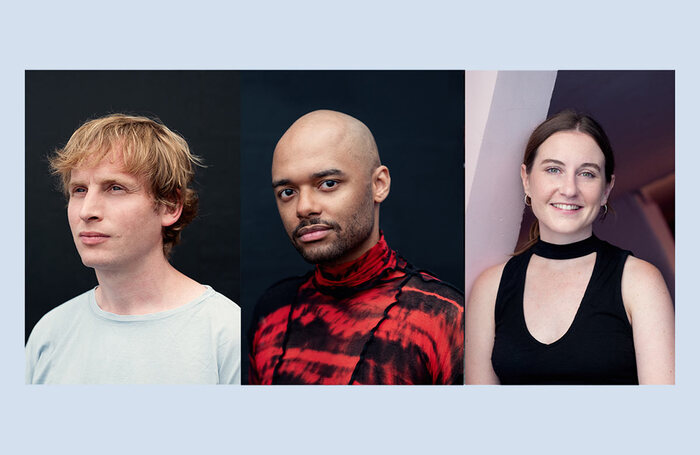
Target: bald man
[[364, 315]]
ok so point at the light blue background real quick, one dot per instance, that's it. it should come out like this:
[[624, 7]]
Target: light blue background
[[364, 35]]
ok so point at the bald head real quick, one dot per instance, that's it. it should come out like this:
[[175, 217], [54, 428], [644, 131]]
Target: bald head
[[329, 183], [332, 129]]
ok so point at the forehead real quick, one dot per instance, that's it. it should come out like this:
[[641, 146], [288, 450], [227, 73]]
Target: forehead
[[571, 147], [311, 150], [110, 167]]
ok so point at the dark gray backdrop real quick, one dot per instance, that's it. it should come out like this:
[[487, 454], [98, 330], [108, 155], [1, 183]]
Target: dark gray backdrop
[[202, 106], [417, 118]]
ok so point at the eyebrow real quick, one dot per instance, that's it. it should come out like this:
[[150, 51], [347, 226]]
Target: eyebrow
[[315, 175], [106, 181], [560, 163]]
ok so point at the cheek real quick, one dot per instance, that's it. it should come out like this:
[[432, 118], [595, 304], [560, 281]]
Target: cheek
[[73, 212], [595, 193]]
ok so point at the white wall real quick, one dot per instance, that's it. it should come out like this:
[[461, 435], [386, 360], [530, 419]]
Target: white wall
[[502, 109]]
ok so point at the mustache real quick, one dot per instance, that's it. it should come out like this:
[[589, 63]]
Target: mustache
[[315, 222]]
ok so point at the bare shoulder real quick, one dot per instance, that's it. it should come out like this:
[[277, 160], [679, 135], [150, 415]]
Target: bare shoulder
[[481, 326], [640, 275], [643, 286], [486, 285], [650, 311]]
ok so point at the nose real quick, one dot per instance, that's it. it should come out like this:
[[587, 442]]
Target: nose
[[568, 186], [307, 204], [91, 207]]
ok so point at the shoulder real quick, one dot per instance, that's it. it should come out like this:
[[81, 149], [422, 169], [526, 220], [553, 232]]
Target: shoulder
[[64, 313], [640, 275], [643, 287], [487, 283], [425, 288], [291, 283], [279, 294], [60, 321], [222, 315], [220, 303]]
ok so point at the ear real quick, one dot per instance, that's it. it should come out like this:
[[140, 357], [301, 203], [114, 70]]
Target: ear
[[381, 183], [170, 214], [525, 178], [608, 189]]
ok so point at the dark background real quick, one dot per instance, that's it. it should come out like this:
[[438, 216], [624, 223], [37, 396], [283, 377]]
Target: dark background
[[417, 118], [202, 106]]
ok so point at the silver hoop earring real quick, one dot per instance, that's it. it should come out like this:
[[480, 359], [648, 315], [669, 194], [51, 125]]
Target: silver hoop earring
[[605, 208], [528, 200]]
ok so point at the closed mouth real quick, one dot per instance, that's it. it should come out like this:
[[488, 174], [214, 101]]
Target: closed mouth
[[310, 229], [92, 234]]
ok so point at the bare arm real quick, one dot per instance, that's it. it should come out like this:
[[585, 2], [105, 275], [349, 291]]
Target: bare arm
[[650, 310], [480, 328]]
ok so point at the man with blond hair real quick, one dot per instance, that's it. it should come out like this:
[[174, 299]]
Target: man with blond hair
[[127, 180]]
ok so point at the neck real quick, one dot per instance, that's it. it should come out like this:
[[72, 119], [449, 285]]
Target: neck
[[363, 269], [564, 239], [151, 287]]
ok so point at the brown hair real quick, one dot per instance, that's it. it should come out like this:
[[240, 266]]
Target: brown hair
[[567, 120], [148, 150]]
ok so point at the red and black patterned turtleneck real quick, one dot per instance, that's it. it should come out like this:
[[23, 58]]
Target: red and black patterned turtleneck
[[375, 320]]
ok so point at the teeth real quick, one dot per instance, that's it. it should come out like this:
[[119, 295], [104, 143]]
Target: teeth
[[567, 206]]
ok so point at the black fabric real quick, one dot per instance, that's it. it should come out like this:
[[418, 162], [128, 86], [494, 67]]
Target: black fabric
[[568, 251], [598, 347]]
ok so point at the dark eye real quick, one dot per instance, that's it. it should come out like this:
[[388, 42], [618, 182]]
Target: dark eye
[[328, 184], [286, 193]]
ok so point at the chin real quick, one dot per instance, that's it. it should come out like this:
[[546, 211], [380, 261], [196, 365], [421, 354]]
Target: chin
[[320, 254]]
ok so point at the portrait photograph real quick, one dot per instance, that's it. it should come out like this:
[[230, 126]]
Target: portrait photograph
[[403, 133]]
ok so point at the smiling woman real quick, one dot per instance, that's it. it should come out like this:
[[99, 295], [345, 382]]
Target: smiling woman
[[569, 308]]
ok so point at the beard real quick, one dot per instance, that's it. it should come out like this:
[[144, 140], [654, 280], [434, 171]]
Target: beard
[[347, 238]]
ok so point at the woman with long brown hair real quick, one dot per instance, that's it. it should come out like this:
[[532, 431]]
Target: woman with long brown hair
[[569, 308]]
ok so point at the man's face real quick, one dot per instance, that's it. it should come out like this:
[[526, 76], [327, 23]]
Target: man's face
[[325, 197], [113, 217]]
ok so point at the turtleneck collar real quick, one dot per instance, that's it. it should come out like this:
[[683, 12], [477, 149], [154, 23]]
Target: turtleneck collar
[[360, 271], [567, 251]]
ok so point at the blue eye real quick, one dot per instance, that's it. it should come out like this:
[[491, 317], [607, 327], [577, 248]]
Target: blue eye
[[588, 174], [552, 170], [116, 188]]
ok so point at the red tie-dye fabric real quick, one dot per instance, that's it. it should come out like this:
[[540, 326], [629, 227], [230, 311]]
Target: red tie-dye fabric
[[375, 320]]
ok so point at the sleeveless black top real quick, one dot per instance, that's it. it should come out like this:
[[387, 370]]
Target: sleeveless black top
[[596, 349]]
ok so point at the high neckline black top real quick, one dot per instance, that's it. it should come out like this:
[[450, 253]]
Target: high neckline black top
[[597, 348]]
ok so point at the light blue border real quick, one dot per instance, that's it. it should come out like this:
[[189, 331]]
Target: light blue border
[[348, 35]]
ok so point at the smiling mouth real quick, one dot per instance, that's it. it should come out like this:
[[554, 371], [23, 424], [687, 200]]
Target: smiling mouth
[[566, 206]]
